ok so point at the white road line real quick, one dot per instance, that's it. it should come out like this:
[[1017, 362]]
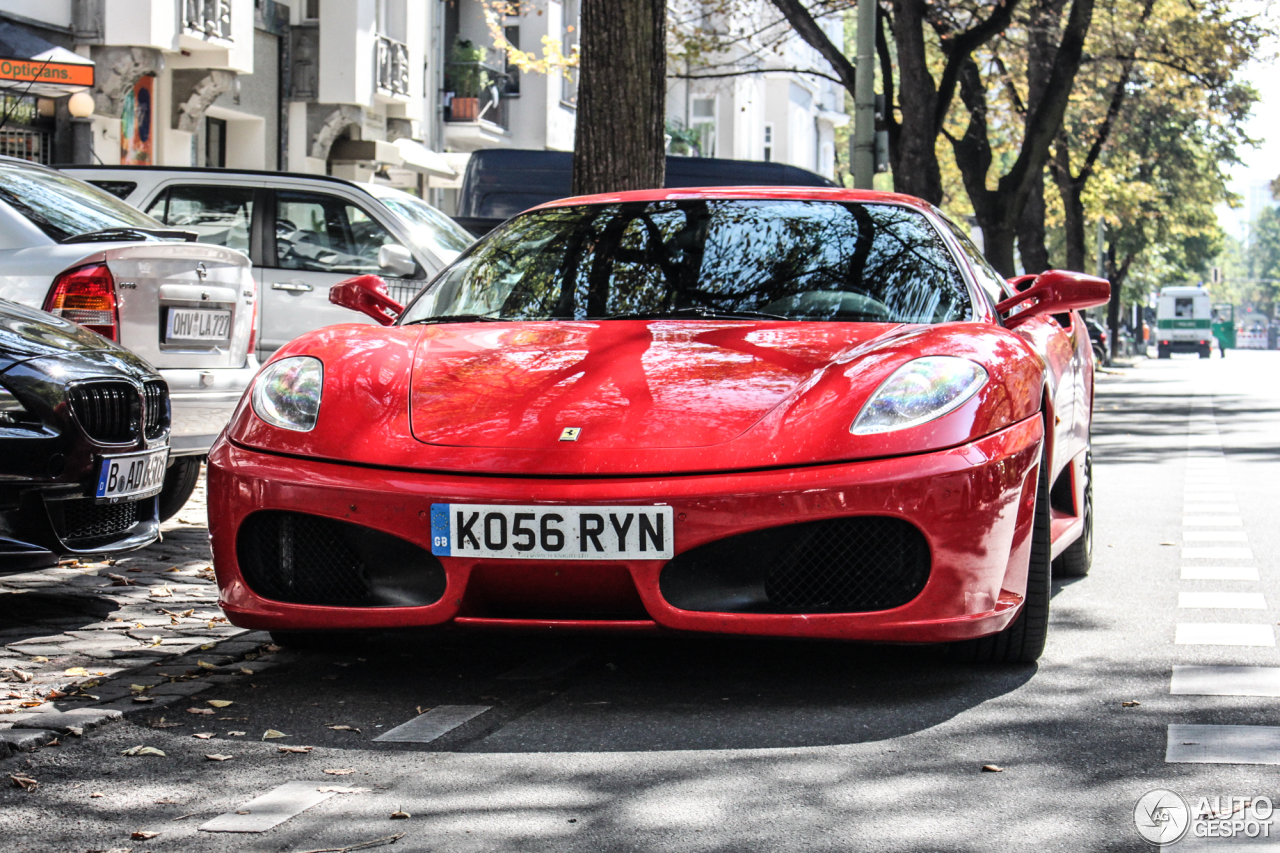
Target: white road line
[[1224, 634], [1214, 536], [1197, 495], [1218, 553], [1225, 681], [1196, 504], [1222, 600], [271, 809], [1219, 573], [425, 728], [1222, 745], [543, 667], [1212, 521]]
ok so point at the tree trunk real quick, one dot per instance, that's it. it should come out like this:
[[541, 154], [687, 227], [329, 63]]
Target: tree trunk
[[1071, 190], [1042, 31], [1031, 234], [1116, 275], [619, 138], [915, 161]]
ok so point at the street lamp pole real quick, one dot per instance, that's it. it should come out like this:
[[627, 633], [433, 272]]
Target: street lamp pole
[[864, 126]]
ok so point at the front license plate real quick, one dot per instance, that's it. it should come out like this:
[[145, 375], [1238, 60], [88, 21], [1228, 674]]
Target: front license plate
[[552, 532], [191, 324], [137, 475]]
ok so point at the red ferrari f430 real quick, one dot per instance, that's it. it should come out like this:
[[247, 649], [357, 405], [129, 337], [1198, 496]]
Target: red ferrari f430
[[774, 411]]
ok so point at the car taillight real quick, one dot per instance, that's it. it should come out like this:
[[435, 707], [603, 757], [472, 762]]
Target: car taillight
[[87, 296]]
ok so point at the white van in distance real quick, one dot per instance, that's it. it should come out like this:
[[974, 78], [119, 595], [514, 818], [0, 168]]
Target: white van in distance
[[1184, 320]]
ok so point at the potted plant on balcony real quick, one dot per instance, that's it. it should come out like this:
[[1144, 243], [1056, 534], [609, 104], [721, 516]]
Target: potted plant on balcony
[[467, 79]]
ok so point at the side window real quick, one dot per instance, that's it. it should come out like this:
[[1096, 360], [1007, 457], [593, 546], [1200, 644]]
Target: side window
[[217, 214], [988, 279], [323, 233]]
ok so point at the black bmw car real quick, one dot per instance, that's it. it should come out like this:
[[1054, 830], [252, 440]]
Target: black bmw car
[[84, 442]]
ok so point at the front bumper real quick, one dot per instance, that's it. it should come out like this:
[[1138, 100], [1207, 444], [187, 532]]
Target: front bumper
[[973, 504], [202, 402]]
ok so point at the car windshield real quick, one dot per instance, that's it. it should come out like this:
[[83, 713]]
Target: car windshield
[[63, 207], [441, 235], [783, 259]]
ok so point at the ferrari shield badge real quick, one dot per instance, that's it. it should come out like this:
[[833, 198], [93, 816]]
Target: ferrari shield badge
[[570, 433]]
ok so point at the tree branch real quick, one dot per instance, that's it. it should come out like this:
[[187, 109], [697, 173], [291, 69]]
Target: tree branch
[[959, 47], [718, 75], [808, 28]]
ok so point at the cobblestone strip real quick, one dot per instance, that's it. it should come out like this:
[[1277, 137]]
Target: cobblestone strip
[[88, 642]]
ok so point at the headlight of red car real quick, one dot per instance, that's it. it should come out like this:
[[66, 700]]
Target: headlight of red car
[[918, 392], [287, 392]]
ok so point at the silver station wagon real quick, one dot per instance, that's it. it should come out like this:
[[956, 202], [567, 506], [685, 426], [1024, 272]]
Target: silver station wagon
[[185, 307]]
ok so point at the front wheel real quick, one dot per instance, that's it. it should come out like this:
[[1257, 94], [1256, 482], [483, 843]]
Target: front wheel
[[1076, 561], [1022, 641], [179, 482]]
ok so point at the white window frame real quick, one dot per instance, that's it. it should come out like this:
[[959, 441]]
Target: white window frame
[[767, 153]]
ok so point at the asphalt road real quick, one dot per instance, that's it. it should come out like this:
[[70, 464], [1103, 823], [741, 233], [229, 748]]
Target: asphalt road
[[607, 743]]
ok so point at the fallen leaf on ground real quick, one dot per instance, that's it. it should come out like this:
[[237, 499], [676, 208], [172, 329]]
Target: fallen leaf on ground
[[39, 659], [218, 757], [219, 703], [992, 768], [142, 835], [1132, 703], [162, 592], [271, 647], [299, 749], [143, 750], [206, 665], [161, 724], [144, 698], [345, 729], [339, 771], [121, 580], [26, 783], [244, 670], [208, 711], [236, 734], [77, 731], [207, 646], [401, 815], [139, 688], [338, 789], [270, 733], [77, 670], [34, 703], [203, 735], [95, 795], [21, 675]]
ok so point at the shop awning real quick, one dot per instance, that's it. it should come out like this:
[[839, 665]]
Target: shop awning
[[31, 65], [420, 158]]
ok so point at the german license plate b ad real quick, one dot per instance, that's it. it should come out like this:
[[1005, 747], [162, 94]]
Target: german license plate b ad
[[137, 475], [552, 532]]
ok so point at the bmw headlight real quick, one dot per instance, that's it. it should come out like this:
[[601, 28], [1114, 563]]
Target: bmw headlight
[[919, 392], [287, 393]]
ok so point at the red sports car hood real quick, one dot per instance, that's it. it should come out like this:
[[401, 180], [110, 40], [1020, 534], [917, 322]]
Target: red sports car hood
[[625, 385]]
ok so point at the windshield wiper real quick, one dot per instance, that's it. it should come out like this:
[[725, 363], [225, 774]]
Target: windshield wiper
[[695, 313], [459, 318], [115, 235]]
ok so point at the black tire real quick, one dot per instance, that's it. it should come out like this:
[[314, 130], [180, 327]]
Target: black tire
[[1076, 561], [1022, 641], [1161, 352], [1205, 352], [1099, 355], [179, 482], [313, 641]]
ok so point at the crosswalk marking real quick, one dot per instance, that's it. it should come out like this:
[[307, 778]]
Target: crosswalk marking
[[1219, 573], [1212, 521], [1218, 553], [1225, 681], [271, 809], [1189, 744], [1224, 634], [1231, 600], [1214, 536], [1208, 506], [425, 728]]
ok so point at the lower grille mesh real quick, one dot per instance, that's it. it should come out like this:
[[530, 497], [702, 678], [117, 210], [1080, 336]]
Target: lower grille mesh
[[84, 519], [300, 558], [842, 565]]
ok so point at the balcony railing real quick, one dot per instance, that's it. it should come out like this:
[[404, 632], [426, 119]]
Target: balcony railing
[[476, 92], [393, 66], [207, 18]]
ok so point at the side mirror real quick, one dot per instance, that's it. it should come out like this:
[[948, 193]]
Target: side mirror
[[1053, 292], [396, 261], [368, 295]]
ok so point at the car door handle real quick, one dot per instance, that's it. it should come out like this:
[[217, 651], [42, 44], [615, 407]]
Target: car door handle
[[292, 288]]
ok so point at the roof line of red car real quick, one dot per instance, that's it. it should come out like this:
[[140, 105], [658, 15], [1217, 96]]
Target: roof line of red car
[[745, 193]]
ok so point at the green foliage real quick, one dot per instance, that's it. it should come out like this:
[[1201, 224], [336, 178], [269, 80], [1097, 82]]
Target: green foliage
[[467, 78], [684, 140]]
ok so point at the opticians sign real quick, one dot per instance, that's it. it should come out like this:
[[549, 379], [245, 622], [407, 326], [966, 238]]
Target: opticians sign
[[37, 71]]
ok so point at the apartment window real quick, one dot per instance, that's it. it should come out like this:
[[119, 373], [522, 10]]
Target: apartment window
[[702, 120], [215, 142], [569, 40], [768, 142], [311, 10], [512, 34]]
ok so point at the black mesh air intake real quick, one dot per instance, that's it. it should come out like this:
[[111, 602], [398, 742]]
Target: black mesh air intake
[[155, 397], [107, 411], [84, 520], [843, 565], [307, 559]]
